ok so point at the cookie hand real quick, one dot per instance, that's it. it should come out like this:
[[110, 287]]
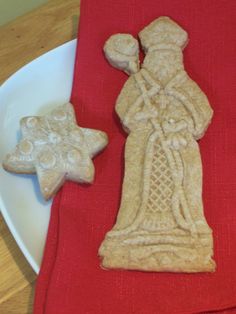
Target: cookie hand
[[122, 52]]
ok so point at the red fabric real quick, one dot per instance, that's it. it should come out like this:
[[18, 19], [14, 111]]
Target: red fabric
[[71, 280]]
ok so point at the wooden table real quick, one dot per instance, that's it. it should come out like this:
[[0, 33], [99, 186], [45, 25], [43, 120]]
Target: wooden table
[[20, 42]]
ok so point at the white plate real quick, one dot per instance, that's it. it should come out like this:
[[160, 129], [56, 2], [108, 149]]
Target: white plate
[[35, 89]]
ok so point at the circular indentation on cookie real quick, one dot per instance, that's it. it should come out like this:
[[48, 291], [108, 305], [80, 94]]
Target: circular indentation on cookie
[[54, 138], [59, 115], [47, 160], [74, 156], [26, 147], [31, 122]]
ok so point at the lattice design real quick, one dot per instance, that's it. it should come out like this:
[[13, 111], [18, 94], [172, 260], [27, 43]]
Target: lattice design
[[161, 183]]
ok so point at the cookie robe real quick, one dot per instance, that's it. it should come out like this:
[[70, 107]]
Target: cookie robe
[[161, 224]]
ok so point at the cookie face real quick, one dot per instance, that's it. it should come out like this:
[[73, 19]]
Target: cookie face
[[56, 149], [161, 224]]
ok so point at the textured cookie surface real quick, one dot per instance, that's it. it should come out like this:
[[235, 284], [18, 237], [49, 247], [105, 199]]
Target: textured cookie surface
[[122, 51], [56, 149], [161, 224]]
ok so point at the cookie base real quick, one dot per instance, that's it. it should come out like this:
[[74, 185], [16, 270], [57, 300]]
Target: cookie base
[[158, 257]]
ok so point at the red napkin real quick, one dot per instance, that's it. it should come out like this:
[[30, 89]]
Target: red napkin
[[71, 280]]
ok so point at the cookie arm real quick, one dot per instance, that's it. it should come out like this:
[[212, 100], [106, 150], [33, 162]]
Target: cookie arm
[[127, 97], [197, 105]]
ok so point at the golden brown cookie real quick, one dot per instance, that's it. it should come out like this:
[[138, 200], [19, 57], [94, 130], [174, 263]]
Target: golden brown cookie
[[161, 224], [56, 149]]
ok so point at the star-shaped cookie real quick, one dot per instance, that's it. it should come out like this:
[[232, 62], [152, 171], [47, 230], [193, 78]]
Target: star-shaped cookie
[[56, 149]]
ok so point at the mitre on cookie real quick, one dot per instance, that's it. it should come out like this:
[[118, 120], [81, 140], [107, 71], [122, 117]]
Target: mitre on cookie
[[163, 31], [56, 149]]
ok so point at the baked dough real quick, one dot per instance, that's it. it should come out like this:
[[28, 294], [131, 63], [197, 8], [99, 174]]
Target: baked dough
[[161, 224], [56, 149]]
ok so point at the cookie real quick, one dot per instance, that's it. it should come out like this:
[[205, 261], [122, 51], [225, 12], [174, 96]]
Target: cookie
[[122, 52], [56, 149], [161, 224]]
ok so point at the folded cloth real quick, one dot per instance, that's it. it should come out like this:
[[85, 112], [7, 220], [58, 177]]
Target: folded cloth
[[71, 280]]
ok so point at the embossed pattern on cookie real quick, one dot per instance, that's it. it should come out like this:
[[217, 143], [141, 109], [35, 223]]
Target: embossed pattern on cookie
[[160, 224], [56, 149]]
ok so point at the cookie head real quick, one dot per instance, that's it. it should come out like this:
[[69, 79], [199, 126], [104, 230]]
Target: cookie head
[[122, 52], [163, 31]]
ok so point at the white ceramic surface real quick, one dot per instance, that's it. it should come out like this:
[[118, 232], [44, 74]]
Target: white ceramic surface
[[35, 89]]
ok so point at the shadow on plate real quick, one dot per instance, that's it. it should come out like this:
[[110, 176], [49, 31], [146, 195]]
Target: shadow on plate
[[35, 183]]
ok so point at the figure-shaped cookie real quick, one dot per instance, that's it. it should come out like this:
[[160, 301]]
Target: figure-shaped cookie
[[161, 224], [56, 149]]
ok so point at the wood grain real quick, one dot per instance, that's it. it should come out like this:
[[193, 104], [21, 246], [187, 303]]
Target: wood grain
[[22, 41], [37, 32]]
